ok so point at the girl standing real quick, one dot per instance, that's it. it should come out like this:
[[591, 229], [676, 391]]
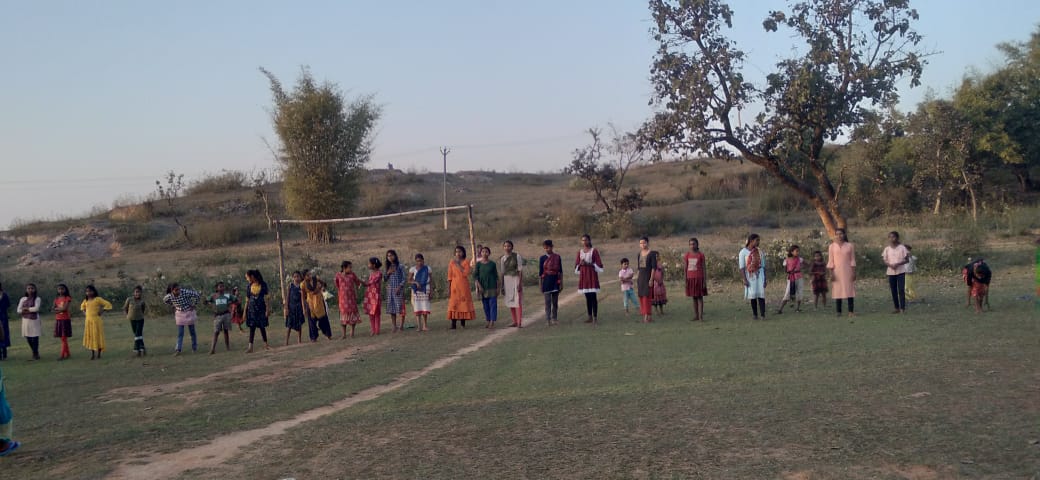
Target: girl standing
[[460, 298], [841, 262], [588, 266], [395, 278], [896, 257], [550, 271], [660, 295], [511, 268], [819, 279], [346, 291], [753, 271], [183, 301], [236, 309], [487, 286], [314, 307], [93, 327], [419, 279], [257, 310], [373, 304], [29, 308], [5, 327], [646, 264], [63, 320], [696, 280], [134, 307], [293, 310], [7, 444], [793, 268]]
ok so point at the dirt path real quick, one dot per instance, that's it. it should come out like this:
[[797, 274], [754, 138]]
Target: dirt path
[[226, 447]]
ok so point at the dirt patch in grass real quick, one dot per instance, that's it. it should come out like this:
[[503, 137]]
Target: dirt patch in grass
[[226, 447]]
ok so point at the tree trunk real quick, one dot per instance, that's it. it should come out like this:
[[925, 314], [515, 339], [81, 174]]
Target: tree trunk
[[320, 233], [938, 203], [971, 194]]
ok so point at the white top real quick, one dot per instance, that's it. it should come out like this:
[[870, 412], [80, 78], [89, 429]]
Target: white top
[[626, 275], [896, 254]]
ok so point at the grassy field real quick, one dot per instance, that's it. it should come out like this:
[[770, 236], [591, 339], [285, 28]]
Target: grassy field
[[938, 393]]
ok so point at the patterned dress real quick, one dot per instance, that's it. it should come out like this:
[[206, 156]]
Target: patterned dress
[[460, 300], [511, 267], [256, 306], [753, 267], [660, 295], [346, 290], [295, 319], [420, 292], [373, 304], [394, 289], [588, 266]]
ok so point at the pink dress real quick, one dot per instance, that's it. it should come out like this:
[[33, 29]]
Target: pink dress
[[346, 285], [660, 295], [373, 302], [842, 259]]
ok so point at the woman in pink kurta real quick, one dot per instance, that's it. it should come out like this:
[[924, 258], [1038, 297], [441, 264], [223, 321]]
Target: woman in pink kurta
[[841, 263]]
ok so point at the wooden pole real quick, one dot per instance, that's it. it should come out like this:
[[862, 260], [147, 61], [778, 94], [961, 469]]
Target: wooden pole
[[281, 262], [472, 238], [444, 154]]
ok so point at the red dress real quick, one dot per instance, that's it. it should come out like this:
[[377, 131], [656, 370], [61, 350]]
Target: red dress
[[588, 271], [347, 298], [660, 296], [696, 286], [373, 302]]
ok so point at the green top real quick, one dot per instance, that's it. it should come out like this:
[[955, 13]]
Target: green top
[[487, 277], [134, 309], [221, 303]]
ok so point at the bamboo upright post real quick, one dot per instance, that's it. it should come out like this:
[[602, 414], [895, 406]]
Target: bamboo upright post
[[472, 238], [281, 262]]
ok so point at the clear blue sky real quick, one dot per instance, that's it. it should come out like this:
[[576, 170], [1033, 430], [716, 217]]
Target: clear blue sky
[[99, 98]]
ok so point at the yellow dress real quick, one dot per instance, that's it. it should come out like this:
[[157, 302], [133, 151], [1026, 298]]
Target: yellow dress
[[93, 327]]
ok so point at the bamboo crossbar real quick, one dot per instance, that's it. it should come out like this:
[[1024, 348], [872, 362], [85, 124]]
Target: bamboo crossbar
[[374, 217]]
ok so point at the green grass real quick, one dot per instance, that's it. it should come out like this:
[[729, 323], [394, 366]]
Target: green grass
[[940, 390]]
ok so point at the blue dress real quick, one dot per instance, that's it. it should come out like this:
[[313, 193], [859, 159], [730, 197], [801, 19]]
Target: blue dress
[[256, 311], [5, 304], [394, 298], [295, 319]]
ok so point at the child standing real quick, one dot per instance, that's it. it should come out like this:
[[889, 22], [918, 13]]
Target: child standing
[[314, 307], [374, 304], [294, 318], [487, 286], [818, 270], [753, 270], [460, 297], [981, 276], [134, 307], [63, 320], [511, 268], [395, 278], [896, 256], [29, 308], [793, 268], [346, 291], [236, 309], [660, 294], [258, 312], [911, 268], [93, 327], [183, 301], [419, 279], [627, 278], [696, 280], [221, 303], [588, 266], [550, 268], [5, 327]]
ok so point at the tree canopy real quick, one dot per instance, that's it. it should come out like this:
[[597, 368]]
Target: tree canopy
[[324, 144], [853, 54]]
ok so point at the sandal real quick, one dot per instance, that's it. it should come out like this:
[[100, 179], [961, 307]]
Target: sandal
[[11, 446]]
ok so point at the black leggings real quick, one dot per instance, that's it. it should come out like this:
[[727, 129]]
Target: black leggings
[[592, 304], [34, 344], [897, 283], [758, 304], [252, 333], [852, 304]]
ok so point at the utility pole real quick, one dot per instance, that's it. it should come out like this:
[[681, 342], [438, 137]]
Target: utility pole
[[444, 154]]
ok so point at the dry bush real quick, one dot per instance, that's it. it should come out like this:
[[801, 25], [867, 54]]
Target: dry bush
[[225, 232], [223, 182]]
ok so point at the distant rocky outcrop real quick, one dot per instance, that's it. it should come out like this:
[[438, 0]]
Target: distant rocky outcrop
[[76, 244]]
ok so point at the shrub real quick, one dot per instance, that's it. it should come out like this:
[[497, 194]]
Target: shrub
[[225, 181], [225, 232]]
